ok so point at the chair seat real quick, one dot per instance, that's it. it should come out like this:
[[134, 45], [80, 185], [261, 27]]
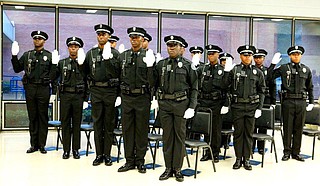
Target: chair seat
[[117, 132], [54, 123], [227, 131], [311, 132], [87, 127], [196, 143], [262, 136], [154, 137]]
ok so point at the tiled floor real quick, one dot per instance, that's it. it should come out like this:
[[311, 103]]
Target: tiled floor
[[20, 169]]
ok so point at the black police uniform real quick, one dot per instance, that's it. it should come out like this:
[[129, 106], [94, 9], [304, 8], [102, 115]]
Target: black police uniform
[[296, 87], [72, 93], [39, 73], [103, 81]]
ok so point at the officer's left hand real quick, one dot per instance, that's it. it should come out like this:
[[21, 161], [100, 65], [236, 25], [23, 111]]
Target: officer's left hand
[[158, 57], [228, 66], [106, 53], [121, 48], [224, 110], [52, 98], [276, 58], [189, 113], [150, 58], [117, 102], [195, 61], [257, 114], [310, 107], [81, 56], [55, 57]]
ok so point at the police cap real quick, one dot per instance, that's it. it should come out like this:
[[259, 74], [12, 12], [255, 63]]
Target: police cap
[[39, 34], [113, 38], [175, 39], [295, 49], [246, 49], [74, 41], [136, 31], [213, 48], [103, 28], [225, 55], [147, 37], [196, 49], [260, 52]]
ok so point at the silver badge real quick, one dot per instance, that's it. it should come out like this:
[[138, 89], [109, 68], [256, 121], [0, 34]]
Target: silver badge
[[265, 72], [45, 58], [254, 71], [219, 72], [180, 64], [171, 37], [304, 70]]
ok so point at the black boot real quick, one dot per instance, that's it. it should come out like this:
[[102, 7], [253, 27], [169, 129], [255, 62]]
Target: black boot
[[247, 164], [237, 164], [179, 175], [206, 156], [167, 174]]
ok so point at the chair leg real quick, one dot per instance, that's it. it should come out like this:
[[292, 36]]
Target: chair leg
[[155, 153], [187, 158], [119, 145], [213, 164], [264, 144], [196, 166], [58, 137], [275, 150], [88, 142], [314, 142]]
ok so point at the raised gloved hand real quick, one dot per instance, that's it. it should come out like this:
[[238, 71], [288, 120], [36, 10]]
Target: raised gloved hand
[[224, 110], [15, 48], [257, 113], [310, 107], [106, 53], [85, 105], [81, 56], [276, 58], [150, 58], [52, 98], [158, 57], [121, 48], [195, 61], [117, 102], [154, 103], [189, 113], [228, 66], [55, 57]]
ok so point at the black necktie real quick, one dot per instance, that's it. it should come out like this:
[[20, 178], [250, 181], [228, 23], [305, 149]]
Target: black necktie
[[296, 79], [172, 77], [246, 84]]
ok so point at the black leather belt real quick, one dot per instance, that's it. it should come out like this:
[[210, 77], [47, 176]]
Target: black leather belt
[[294, 96]]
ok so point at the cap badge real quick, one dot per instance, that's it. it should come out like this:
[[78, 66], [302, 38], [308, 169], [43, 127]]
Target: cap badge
[[257, 51], [225, 54], [296, 47], [210, 46], [247, 47], [171, 37], [100, 25], [38, 32], [134, 28], [195, 47], [73, 38]]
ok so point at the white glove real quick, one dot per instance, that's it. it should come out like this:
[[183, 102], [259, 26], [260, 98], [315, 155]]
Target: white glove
[[52, 98], [272, 106], [106, 53], [118, 102], [150, 58], [189, 113], [158, 57], [15, 48], [95, 46], [55, 57], [85, 105], [257, 114], [154, 103], [310, 107], [228, 66], [224, 110], [276, 58], [121, 48], [81, 56], [195, 61]]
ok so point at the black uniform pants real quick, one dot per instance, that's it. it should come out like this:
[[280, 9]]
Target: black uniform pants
[[37, 98], [135, 126], [243, 119], [103, 115], [71, 110], [174, 131], [294, 115]]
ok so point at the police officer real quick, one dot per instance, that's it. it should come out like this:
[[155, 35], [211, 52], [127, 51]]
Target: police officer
[[212, 93], [113, 41], [177, 89], [72, 92], [270, 91], [296, 88], [101, 66], [136, 84], [247, 89], [39, 73], [147, 39], [223, 57]]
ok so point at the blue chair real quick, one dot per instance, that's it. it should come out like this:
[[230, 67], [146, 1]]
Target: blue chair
[[57, 125]]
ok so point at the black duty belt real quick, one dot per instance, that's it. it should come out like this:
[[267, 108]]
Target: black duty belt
[[294, 96], [102, 84], [70, 89], [38, 81], [136, 91], [211, 96], [178, 96], [251, 99]]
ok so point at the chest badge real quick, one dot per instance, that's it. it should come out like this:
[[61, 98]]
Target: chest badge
[[45, 58], [254, 71], [219, 72], [265, 72], [304, 70], [180, 64]]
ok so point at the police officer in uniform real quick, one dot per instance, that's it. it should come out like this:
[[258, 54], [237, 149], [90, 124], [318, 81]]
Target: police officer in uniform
[[72, 92], [136, 84], [147, 39], [177, 89], [247, 89], [223, 57], [212, 91], [101, 66], [296, 88], [113, 41], [39, 73]]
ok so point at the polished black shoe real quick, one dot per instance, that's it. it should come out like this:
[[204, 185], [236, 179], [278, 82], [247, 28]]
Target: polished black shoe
[[261, 151], [43, 150], [167, 174], [76, 154], [98, 160], [66, 155], [32, 149], [178, 174], [237, 164], [298, 157], [126, 167], [247, 165], [107, 160], [216, 159], [141, 168], [206, 157], [285, 157]]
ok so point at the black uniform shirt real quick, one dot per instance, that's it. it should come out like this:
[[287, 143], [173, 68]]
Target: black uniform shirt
[[270, 91], [211, 78], [69, 73]]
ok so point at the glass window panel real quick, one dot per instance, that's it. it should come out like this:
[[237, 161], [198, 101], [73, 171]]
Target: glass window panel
[[189, 27], [121, 20], [17, 26], [79, 23], [229, 33], [307, 34]]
